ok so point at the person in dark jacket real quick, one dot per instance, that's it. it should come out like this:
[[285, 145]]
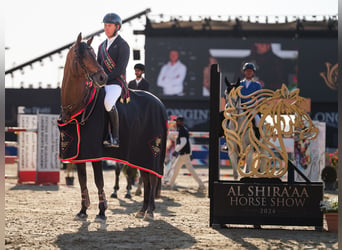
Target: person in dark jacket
[[139, 82], [113, 56], [183, 155]]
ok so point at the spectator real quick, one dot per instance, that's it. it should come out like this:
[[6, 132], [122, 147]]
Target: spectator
[[139, 82], [183, 155]]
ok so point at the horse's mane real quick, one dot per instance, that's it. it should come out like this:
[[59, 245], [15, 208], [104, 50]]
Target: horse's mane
[[82, 46]]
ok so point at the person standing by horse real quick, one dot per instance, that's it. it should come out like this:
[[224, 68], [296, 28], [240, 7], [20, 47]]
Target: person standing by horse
[[183, 155], [249, 87], [113, 56], [139, 82]]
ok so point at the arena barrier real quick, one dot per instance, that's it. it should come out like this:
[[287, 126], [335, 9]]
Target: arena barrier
[[200, 152], [38, 148], [11, 152]]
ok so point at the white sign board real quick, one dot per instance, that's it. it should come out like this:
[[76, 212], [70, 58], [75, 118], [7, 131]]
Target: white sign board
[[48, 143], [27, 143]]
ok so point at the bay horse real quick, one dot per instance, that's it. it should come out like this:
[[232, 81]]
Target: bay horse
[[83, 127]]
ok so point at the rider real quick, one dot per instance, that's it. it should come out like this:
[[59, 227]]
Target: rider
[[113, 56], [249, 87]]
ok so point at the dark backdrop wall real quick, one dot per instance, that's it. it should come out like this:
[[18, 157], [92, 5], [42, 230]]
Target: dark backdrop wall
[[304, 62]]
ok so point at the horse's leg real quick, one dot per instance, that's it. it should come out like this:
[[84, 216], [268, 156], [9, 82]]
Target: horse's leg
[[263, 160], [233, 162], [158, 189], [249, 161], [150, 186], [144, 177], [98, 176], [152, 189], [130, 180], [249, 157], [116, 184], [82, 179], [138, 191]]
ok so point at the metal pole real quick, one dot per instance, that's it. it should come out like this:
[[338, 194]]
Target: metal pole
[[215, 90]]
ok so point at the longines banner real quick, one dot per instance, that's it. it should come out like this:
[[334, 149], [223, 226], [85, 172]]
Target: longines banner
[[268, 203]]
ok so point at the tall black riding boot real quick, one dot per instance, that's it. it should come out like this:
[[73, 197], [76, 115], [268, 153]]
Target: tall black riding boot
[[114, 126]]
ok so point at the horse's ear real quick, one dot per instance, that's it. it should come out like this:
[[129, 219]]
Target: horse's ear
[[79, 38], [227, 82], [90, 40], [237, 84]]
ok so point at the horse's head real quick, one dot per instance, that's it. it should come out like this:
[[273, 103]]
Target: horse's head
[[85, 63], [81, 71]]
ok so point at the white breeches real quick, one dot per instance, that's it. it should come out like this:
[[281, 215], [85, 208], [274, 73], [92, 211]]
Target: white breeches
[[113, 92]]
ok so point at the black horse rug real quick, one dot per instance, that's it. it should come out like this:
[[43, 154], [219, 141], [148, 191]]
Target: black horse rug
[[143, 132]]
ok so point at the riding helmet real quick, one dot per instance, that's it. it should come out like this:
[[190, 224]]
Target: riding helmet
[[112, 18], [249, 65], [139, 66]]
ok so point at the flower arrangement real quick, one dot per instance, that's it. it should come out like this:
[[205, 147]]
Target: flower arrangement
[[333, 159], [329, 205]]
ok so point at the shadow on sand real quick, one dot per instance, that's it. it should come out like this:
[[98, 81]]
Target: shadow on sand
[[156, 235]]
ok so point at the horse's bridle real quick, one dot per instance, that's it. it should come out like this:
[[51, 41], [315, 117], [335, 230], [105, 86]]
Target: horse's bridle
[[89, 82], [234, 100], [89, 76]]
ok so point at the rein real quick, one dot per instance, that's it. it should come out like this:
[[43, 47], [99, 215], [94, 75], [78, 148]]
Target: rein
[[84, 68], [85, 118], [83, 104]]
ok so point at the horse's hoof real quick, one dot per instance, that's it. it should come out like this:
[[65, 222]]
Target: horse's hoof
[[140, 215], [148, 217], [114, 195], [201, 189], [128, 196], [108, 144], [100, 218], [81, 216], [138, 192]]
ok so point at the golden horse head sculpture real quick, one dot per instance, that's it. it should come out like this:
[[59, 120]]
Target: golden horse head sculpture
[[282, 116]]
